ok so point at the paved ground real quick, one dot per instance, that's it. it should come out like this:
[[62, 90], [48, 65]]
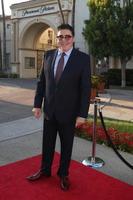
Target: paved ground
[[21, 133]]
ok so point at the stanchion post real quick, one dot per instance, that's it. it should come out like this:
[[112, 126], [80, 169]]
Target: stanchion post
[[93, 161], [94, 132]]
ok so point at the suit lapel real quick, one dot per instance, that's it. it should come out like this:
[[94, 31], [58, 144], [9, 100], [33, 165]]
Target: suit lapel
[[53, 62], [70, 60]]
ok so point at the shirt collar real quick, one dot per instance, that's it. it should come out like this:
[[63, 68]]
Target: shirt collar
[[67, 52]]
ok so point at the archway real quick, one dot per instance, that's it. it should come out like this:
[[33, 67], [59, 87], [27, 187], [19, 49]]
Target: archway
[[35, 39]]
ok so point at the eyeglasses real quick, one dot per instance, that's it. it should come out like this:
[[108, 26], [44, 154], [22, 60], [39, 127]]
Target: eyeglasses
[[66, 37]]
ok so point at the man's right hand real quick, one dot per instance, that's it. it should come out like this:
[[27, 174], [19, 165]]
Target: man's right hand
[[37, 112]]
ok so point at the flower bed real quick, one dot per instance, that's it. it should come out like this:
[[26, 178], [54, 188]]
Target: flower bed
[[123, 141]]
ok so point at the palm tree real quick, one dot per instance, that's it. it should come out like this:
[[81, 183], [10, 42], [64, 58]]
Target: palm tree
[[4, 37], [61, 12], [73, 14], [0, 55]]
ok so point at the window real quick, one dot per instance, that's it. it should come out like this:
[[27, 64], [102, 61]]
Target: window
[[49, 41], [29, 62], [8, 60], [50, 36], [8, 26]]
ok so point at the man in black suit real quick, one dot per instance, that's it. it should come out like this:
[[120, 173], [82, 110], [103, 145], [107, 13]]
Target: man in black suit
[[64, 86]]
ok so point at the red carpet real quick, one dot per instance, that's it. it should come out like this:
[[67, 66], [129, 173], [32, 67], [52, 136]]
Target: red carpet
[[86, 183]]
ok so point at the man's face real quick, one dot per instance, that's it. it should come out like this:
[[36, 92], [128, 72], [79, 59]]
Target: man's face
[[65, 39]]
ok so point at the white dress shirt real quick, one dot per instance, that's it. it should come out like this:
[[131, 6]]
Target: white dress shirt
[[66, 57]]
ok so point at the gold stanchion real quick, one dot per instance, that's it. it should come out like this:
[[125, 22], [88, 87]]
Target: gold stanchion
[[94, 161]]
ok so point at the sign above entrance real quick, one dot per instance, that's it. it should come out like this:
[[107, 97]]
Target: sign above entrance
[[38, 10]]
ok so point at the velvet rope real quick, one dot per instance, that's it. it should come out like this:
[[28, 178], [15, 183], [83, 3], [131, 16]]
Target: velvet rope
[[111, 143]]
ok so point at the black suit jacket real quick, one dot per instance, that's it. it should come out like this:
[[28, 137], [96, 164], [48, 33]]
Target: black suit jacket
[[70, 97]]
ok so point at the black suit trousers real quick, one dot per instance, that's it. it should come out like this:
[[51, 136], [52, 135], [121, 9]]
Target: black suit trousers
[[66, 135]]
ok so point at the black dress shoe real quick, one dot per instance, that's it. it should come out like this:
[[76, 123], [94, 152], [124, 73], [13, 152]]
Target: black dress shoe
[[38, 175], [65, 183]]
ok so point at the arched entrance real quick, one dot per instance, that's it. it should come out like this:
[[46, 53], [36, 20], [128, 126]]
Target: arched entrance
[[35, 39], [34, 25]]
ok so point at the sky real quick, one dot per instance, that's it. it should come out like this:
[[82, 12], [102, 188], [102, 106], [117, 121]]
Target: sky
[[7, 5]]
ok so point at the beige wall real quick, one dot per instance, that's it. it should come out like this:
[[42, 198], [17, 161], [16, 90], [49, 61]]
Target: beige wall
[[27, 73]]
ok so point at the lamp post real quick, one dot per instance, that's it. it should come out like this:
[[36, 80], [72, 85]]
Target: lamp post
[[4, 38], [61, 12]]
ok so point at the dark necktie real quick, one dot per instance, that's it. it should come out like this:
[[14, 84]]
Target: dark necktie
[[59, 69]]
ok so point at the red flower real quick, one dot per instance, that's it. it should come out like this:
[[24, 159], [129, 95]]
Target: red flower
[[121, 140]]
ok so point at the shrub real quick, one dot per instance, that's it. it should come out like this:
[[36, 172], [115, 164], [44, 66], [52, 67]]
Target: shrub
[[96, 80], [122, 141], [6, 75], [3, 75], [13, 75], [114, 76]]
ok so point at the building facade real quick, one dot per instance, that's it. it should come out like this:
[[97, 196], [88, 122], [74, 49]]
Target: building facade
[[33, 31]]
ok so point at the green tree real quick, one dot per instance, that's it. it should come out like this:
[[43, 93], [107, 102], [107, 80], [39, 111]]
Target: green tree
[[109, 31]]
